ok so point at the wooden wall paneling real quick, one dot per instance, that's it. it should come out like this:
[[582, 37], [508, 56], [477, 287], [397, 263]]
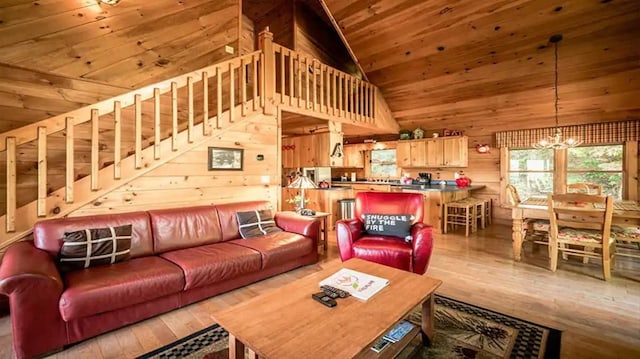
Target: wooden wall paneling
[[632, 160], [277, 15]]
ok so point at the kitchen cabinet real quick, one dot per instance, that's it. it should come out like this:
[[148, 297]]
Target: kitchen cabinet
[[354, 156], [308, 151], [434, 152]]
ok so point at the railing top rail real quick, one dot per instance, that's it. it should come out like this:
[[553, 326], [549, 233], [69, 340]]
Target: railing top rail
[[57, 123], [280, 48]]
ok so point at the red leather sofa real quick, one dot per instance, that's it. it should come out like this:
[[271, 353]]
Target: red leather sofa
[[354, 241], [178, 256]]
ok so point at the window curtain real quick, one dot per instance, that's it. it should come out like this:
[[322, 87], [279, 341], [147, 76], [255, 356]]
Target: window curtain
[[589, 134]]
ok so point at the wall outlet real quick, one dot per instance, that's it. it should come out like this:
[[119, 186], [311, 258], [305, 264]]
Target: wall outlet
[[229, 49]]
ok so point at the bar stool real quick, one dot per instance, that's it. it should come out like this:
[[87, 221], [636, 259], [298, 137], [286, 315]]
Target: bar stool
[[461, 213], [483, 210]]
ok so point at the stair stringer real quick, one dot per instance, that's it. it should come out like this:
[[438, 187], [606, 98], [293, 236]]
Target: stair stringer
[[26, 216]]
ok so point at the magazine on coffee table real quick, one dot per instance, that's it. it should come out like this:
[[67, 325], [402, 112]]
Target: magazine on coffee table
[[360, 285]]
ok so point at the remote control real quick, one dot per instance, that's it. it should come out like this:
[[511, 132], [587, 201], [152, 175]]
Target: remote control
[[324, 299], [331, 294], [341, 293]]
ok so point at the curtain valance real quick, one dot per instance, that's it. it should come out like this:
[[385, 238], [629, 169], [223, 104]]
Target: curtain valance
[[592, 133]]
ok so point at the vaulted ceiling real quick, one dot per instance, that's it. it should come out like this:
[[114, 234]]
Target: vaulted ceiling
[[485, 66]]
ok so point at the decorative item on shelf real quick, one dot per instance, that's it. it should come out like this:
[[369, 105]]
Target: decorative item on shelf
[[483, 149], [556, 142], [405, 134], [337, 150], [435, 135], [418, 133], [451, 133], [462, 180], [301, 182]]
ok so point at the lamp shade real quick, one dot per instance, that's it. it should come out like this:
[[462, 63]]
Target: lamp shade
[[302, 182]]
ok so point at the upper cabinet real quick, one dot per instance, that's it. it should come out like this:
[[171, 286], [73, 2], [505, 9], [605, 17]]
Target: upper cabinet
[[433, 152], [354, 155], [310, 151]]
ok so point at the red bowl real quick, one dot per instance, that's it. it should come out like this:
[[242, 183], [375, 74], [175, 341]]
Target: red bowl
[[463, 182]]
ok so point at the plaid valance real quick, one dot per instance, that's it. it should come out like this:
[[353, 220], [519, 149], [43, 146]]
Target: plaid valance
[[592, 133]]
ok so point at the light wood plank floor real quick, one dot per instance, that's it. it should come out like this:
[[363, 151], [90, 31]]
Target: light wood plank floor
[[599, 319]]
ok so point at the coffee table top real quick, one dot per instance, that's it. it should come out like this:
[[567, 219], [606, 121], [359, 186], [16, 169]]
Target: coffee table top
[[288, 323]]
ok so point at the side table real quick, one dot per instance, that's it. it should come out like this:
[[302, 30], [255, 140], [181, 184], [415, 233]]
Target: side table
[[323, 235]]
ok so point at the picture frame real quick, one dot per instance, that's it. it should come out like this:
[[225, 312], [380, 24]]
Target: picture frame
[[225, 159]]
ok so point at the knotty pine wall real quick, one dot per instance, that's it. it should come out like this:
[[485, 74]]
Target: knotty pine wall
[[131, 44], [186, 181]]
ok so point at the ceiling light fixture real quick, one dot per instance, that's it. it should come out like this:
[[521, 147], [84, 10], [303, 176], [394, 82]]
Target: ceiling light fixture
[[556, 142]]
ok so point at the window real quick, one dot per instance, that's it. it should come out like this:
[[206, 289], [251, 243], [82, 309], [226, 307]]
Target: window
[[531, 172], [601, 165], [383, 163]]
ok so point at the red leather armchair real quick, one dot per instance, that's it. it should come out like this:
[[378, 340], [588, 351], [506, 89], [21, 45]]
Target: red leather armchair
[[395, 252]]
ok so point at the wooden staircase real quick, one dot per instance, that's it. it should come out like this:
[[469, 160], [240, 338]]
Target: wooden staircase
[[164, 120]]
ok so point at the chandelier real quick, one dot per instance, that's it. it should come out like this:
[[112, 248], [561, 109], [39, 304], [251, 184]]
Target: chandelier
[[556, 142]]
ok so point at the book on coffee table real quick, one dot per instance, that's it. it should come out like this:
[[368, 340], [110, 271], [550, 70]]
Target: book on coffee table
[[360, 285], [399, 331]]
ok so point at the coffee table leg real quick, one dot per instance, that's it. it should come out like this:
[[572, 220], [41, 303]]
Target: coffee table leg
[[428, 311], [236, 348]]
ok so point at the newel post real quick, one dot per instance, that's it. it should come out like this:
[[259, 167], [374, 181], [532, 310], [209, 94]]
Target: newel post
[[269, 66]]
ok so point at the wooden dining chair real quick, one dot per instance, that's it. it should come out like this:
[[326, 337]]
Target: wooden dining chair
[[534, 230], [627, 240], [581, 226], [588, 188]]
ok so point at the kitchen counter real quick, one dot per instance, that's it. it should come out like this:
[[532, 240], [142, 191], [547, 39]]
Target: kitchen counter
[[412, 187]]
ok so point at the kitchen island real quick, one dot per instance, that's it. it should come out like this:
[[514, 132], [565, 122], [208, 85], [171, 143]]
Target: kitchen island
[[435, 196]]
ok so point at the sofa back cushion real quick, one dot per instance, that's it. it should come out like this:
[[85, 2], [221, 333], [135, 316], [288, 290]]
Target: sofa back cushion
[[177, 228], [228, 219], [48, 234]]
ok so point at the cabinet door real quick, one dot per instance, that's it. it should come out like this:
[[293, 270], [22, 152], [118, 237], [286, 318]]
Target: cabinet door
[[306, 152], [418, 153], [403, 154], [455, 152], [321, 149], [353, 156], [434, 153]]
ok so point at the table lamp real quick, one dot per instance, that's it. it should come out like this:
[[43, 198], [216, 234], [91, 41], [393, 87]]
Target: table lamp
[[302, 182]]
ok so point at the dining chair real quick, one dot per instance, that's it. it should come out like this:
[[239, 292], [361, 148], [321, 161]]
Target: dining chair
[[627, 240], [534, 230], [588, 188], [581, 226]]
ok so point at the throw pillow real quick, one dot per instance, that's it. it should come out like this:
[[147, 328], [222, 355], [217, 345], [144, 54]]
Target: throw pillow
[[95, 246], [395, 225], [256, 223]]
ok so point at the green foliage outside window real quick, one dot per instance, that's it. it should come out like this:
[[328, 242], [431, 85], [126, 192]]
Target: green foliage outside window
[[601, 165], [383, 163]]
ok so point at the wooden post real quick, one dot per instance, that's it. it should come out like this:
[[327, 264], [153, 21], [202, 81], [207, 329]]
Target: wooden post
[[218, 97], [117, 139], [190, 110], [156, 123], [95, 149], [282, 75], [206, 126], [266, 45], [69, 170], [138, 131], [42, 171], [243, 87], [335, 139], [232, 94], [291, 95], [254, 81], [11, 184], [174, 116]]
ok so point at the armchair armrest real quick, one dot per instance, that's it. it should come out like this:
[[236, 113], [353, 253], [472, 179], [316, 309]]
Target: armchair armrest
[[295, 223], [30, 278], [422, 243], [347, 232]]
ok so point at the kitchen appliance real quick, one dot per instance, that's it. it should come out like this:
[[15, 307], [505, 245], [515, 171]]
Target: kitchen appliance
[[424, 178], [317, 174]]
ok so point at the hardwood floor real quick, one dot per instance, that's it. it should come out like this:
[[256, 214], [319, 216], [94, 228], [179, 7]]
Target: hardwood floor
[[599, 319]]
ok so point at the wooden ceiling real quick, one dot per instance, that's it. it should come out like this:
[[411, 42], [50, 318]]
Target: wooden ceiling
[[486, 66]]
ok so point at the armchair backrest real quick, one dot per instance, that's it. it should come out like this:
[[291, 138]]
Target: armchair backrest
[[389, 203]]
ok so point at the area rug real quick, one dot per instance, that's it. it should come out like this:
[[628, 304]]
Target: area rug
[[462, 331]]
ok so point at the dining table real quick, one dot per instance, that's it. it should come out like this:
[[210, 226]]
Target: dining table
[[625, 212]]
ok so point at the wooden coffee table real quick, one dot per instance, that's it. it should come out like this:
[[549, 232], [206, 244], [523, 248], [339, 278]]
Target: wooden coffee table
[[288, 323]]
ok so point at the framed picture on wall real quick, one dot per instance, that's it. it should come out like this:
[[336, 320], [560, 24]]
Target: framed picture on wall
[[225, 159]]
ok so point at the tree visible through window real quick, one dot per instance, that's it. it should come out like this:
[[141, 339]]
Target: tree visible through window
[[601, 165], [531, 172], [383, 163]]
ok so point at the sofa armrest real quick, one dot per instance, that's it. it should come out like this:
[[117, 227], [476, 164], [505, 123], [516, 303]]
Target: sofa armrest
[[422, 243], [30, 278], [347, 232], [295, 223]]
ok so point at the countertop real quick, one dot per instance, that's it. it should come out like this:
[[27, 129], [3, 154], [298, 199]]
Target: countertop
[[450, 187]]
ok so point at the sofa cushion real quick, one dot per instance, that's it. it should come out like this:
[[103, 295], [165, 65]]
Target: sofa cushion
[[278, 248], [47, 234], [229, 221], [105, 288], [256, 223], [208, 264], [391, 251], [177, 228], [96, 246]]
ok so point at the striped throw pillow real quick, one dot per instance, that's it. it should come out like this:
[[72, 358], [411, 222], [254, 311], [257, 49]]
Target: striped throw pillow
[[256, 223], [95, 246]]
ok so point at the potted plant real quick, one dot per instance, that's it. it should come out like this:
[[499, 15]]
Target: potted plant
[[297, 202]]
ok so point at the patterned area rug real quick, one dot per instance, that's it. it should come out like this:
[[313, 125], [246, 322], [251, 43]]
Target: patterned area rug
[[462, 331]]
